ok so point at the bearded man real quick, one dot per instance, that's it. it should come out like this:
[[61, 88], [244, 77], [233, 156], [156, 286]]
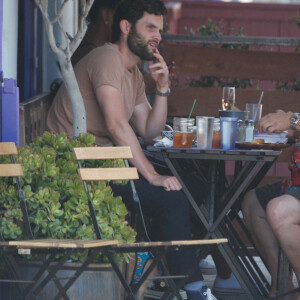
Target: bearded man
[[113, 91]]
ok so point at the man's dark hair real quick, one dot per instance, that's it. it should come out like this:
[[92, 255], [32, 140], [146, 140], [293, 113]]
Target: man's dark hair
[[98, 5], [132, 11]]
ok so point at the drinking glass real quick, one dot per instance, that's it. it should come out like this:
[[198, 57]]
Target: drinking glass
[[183, 132], [228, 98], [205, 127], [228, 132], [255, 111]]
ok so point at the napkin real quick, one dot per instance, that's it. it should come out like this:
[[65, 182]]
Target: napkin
[[273, 138], [164, 142]]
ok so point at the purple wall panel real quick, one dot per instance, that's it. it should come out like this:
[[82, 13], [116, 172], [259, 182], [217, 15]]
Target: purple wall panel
[[10, 112], [1, 21], [9, 101]]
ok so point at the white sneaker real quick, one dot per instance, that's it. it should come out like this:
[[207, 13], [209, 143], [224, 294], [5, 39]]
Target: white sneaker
[[203, 294]]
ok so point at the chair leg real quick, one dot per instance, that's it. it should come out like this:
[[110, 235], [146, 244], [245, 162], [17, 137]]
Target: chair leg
[[282, 273]]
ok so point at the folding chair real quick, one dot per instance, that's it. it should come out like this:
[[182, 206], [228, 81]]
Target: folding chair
[[158, 249], [284, 269], [14, 170], [49, 247]]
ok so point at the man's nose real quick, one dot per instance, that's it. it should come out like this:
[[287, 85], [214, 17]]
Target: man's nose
[[158, 37]]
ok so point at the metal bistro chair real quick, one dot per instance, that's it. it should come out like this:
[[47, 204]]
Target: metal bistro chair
[[48, 247], [157, 249], [284, 269]]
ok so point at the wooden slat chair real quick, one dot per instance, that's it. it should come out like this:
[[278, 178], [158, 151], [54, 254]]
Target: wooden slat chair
[[14, 170], [157, 249], [49, 247], [94, 174]]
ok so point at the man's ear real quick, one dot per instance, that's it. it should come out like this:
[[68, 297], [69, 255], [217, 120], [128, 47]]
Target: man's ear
[[125, 26]]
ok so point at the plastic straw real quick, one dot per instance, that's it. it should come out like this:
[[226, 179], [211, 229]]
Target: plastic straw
[[260, 99], [192, 108], [258, 105]]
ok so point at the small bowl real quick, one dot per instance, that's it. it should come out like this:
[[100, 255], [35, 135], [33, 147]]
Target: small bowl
[[241, 115], [168, 134]]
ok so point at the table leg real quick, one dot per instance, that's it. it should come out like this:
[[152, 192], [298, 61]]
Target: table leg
[[236, 187], [211, 199], [247, 176]]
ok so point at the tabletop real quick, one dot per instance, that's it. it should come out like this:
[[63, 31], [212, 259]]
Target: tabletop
[[220, 154]]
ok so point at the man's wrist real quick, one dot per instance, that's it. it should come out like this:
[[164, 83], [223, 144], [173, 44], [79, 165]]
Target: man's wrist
[[150, 177], [163, 92], [294, 121]]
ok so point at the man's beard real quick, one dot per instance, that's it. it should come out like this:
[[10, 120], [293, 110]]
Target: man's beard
[[138, 45]]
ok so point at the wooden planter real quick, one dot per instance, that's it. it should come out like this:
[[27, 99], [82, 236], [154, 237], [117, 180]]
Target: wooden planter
[[99, 281]]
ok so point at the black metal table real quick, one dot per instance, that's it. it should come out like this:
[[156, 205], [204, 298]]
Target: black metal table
[[223, 205]]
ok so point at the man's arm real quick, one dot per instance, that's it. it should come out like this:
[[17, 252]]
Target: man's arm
[[148, 121], [121, 134], [150, 127]]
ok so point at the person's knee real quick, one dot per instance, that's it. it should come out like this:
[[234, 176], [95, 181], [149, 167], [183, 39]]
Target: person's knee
[[278, 211], [176, 202]]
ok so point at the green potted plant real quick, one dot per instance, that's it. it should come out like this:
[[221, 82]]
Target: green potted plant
[[56, 200]]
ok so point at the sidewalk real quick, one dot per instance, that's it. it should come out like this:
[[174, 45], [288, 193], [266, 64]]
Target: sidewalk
[[209, 281]]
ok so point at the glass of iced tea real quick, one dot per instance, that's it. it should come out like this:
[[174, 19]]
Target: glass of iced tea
[[228, 98], [183, 132]]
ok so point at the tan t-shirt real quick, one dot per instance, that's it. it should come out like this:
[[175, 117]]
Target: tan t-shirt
[[102, 66]]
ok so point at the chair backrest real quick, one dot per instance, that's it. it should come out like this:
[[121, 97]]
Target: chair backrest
[[15, 170], [95, 153], [94, 174], [9, 170]]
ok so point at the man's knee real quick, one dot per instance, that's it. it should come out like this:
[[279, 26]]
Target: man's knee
[[176, 201]]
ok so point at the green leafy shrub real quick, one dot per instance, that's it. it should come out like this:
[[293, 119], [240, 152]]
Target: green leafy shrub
[[55, 197]]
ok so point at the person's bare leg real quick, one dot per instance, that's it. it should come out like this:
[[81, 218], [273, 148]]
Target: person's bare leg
[[283, 214], [255, 219]]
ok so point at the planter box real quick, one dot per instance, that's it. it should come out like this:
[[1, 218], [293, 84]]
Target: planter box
[[33, 114], [99, 281]]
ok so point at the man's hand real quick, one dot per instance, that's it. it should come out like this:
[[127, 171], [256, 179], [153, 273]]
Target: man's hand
[[169, 183], [160, 72], [274, 122]]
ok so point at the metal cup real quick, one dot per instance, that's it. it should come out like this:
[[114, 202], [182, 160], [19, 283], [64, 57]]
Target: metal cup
[[228, 132], [205, 127]]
